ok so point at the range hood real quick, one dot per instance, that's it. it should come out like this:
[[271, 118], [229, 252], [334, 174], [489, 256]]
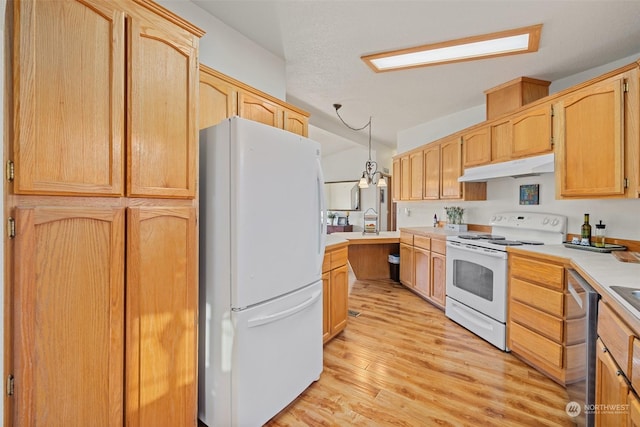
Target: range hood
[[527, 166]]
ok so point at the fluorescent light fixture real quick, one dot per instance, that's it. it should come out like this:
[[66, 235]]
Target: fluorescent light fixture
[[510, 42]]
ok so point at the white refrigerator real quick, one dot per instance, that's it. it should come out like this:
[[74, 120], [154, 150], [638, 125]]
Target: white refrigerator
[[262, 238]]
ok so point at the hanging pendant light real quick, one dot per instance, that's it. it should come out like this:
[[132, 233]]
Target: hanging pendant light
[[371, 174]]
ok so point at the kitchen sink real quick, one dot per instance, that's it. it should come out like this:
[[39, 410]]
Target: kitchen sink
[[630, 295]]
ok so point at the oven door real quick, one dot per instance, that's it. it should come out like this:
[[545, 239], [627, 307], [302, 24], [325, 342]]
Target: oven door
[[477, 278]]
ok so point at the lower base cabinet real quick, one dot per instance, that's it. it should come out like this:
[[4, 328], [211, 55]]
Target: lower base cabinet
[[94, 342], [335, 289], [422, 266]]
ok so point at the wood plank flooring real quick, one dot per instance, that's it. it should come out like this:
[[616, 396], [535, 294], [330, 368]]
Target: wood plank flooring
[[403, 363]]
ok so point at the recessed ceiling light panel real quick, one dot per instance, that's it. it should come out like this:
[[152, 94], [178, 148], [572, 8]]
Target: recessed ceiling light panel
[[510, 42]]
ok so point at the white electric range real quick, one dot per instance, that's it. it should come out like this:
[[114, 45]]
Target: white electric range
[[476, 274]]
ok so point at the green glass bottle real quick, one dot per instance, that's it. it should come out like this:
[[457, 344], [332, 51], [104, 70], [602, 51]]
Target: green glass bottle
[[585, 231]]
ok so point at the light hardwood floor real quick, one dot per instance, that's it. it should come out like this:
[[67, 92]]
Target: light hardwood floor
[[403, 363]]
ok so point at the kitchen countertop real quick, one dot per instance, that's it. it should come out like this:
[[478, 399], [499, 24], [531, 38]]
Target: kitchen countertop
[[435, 232], [357, 238], [602, 268]]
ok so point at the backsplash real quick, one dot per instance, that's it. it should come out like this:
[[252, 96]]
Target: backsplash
[[619, 215]]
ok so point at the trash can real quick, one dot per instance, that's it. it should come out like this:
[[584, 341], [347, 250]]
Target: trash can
[[394, 267]]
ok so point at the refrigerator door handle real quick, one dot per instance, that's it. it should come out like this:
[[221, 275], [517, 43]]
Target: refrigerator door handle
[[322, 214], [259, 321]]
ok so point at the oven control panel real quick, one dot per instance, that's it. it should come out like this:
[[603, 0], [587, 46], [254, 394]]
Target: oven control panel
[[539, 221]]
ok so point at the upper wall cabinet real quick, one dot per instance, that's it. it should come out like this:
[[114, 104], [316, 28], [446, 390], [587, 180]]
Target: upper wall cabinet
[[162, 115], [85, 94], [69, 98], [432, 174], [222, 97], [525, 134], [593, 142]]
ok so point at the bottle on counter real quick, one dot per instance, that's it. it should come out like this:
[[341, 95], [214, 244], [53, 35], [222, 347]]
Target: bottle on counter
[[599, 237], [435, 220], [585, 231]]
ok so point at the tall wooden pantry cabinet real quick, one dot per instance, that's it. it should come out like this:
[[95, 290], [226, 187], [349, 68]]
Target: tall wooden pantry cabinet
[[101, 200]]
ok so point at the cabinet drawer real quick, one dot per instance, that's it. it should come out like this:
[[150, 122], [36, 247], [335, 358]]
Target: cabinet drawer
[[538, 321], [544, 299], [549, 275], [422, 242], [406, 238], [616, 336], [326, 262], [542, 348], [439, 246], [339, 258]]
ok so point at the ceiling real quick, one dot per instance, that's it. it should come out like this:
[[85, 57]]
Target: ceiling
[[322, 41]]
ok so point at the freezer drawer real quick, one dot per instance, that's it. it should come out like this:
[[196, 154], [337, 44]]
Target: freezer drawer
[[270, 354]]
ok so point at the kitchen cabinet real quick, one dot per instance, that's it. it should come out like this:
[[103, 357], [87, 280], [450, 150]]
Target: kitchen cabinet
[[437, 288], [161, 316], [431, 185], [542, 316], [406, 265], [405, 177], [450, 169], [531, 132], [222, 97], [476, 146], [105, 122], [590, 139], [524, 134], [422, 266], [416, 173], [335, 288], [68, 325], [396, 182], [611, 389], [70, 109], [218, 98]]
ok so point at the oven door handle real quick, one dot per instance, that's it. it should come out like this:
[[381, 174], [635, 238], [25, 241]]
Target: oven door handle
[[477, 250]]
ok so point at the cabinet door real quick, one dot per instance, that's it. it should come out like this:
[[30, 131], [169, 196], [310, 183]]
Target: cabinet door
[[406, 265], [326, 306], [69, 316], [405, 178], [422, 271], [218, 99], [339, 298], [296, 123], [162, 134], [450, 169], [395, 191], [611, 389], [69, 99], [161, 316], [501, 141], [531, 133], [431, 187], [438, 278], [416, 164], [260, 110], [477, 147], [590, 141]]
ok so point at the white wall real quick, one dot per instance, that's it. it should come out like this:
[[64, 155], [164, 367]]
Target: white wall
[[228, 51], [620, 216]]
